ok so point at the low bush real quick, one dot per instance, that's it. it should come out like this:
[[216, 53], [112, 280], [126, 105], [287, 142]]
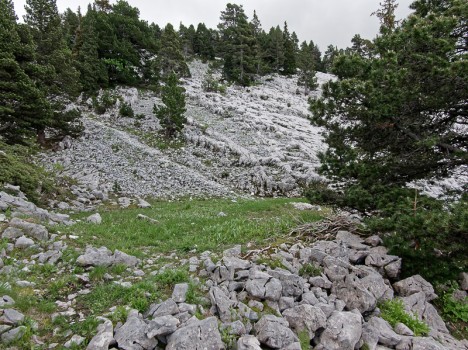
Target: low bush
[[17, 168], [394, 312]]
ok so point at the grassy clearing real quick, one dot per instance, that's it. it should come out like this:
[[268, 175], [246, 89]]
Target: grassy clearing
[[189, 224]]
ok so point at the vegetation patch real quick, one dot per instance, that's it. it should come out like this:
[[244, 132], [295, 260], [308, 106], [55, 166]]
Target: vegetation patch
[[394, 312]]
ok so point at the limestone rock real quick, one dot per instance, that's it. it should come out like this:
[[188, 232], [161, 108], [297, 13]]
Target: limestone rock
[[464, 281], [343, 332], [386, 334], [274, 332], [197, 335], [162, 325], [125, 259], [414, 284], [95, 257], [13, 334], [305, 318], [179, 294], [75, 340], [104, 336], [94, 219], [24, 242], [222, 303], [131, 335], [11, 317], [32, 230], [248, 342]]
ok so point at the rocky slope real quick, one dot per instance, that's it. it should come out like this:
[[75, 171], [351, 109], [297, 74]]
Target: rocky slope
[[325, 294], [254, 140]]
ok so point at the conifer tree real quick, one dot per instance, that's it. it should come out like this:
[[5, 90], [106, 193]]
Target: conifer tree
[[171, 115], [238, 45], [93, 73], [23, 107], [170, 55], [274, 51], [44, 20], [258, 35], [289, 63], [398, 115], [204, 42], [306, 63]]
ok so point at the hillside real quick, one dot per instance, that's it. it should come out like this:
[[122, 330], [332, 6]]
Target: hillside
[[254, 140]]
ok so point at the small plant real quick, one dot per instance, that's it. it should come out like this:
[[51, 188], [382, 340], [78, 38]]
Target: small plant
[[104, 102], [394, 312], [210, 84], [310, 270], [304, 339], [126, 110], [172, 277], [272, 263], [453, 310], [97, 273], [116, 187], [119, 315]]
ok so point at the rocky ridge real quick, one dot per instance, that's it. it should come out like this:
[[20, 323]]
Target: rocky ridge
[[327, 292]]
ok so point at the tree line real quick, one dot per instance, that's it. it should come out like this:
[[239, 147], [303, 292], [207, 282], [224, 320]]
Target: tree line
[[53, 57]]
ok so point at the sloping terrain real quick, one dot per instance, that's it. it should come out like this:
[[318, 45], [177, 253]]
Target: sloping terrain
[[254, 140]]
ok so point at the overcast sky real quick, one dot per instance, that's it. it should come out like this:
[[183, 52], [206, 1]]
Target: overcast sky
[[323, 21]]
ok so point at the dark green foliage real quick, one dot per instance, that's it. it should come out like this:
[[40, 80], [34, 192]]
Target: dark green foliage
[[102, 103], [273, 50], [306, 64], [290, 50], [393, 118], [18, 169], [210, 84], [393, 312], [239, 46], [171, 115], [126, 110], [171, 58], [204, 42]]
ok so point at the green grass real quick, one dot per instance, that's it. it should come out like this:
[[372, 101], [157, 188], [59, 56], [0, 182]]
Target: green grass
[[185, 225], [394, 312]]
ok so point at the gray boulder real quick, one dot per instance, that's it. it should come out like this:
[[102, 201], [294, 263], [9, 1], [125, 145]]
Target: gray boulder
[[12, 233], [385, 332], [168, 307], [305, 318], [24, 242], [274, 332], [30, 229], [420, 343], [343, 332], [248, 342], [418, 305], [264, 288], [132, 336], [413, 285], [179, 294], [96, 257], [354, 294], [222, 303], [11, 317], [464, 281], [292, 284], [162, 325], [94, 219], [123, 258], [13, 334], [104, 336], [197, 335]]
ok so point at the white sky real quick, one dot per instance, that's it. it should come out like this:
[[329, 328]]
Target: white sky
[[323, 21]]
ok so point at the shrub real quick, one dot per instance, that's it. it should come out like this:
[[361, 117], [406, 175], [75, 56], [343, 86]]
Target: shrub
[[394, 312], [104, 102], [18, 169], [126, 110]]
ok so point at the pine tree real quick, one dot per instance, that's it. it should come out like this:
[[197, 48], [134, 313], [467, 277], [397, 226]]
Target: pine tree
[[274, 52], [238, 45], [329, 57], [397, 116], [171, 115], [204, 43], [44, 20], [306, 63], [289, 63], [171, 57], [23, 107], [386, 15], [70, 23], [258, 35], [93, 73]]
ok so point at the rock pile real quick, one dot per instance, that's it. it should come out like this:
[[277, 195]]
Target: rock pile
[[327, 293]]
